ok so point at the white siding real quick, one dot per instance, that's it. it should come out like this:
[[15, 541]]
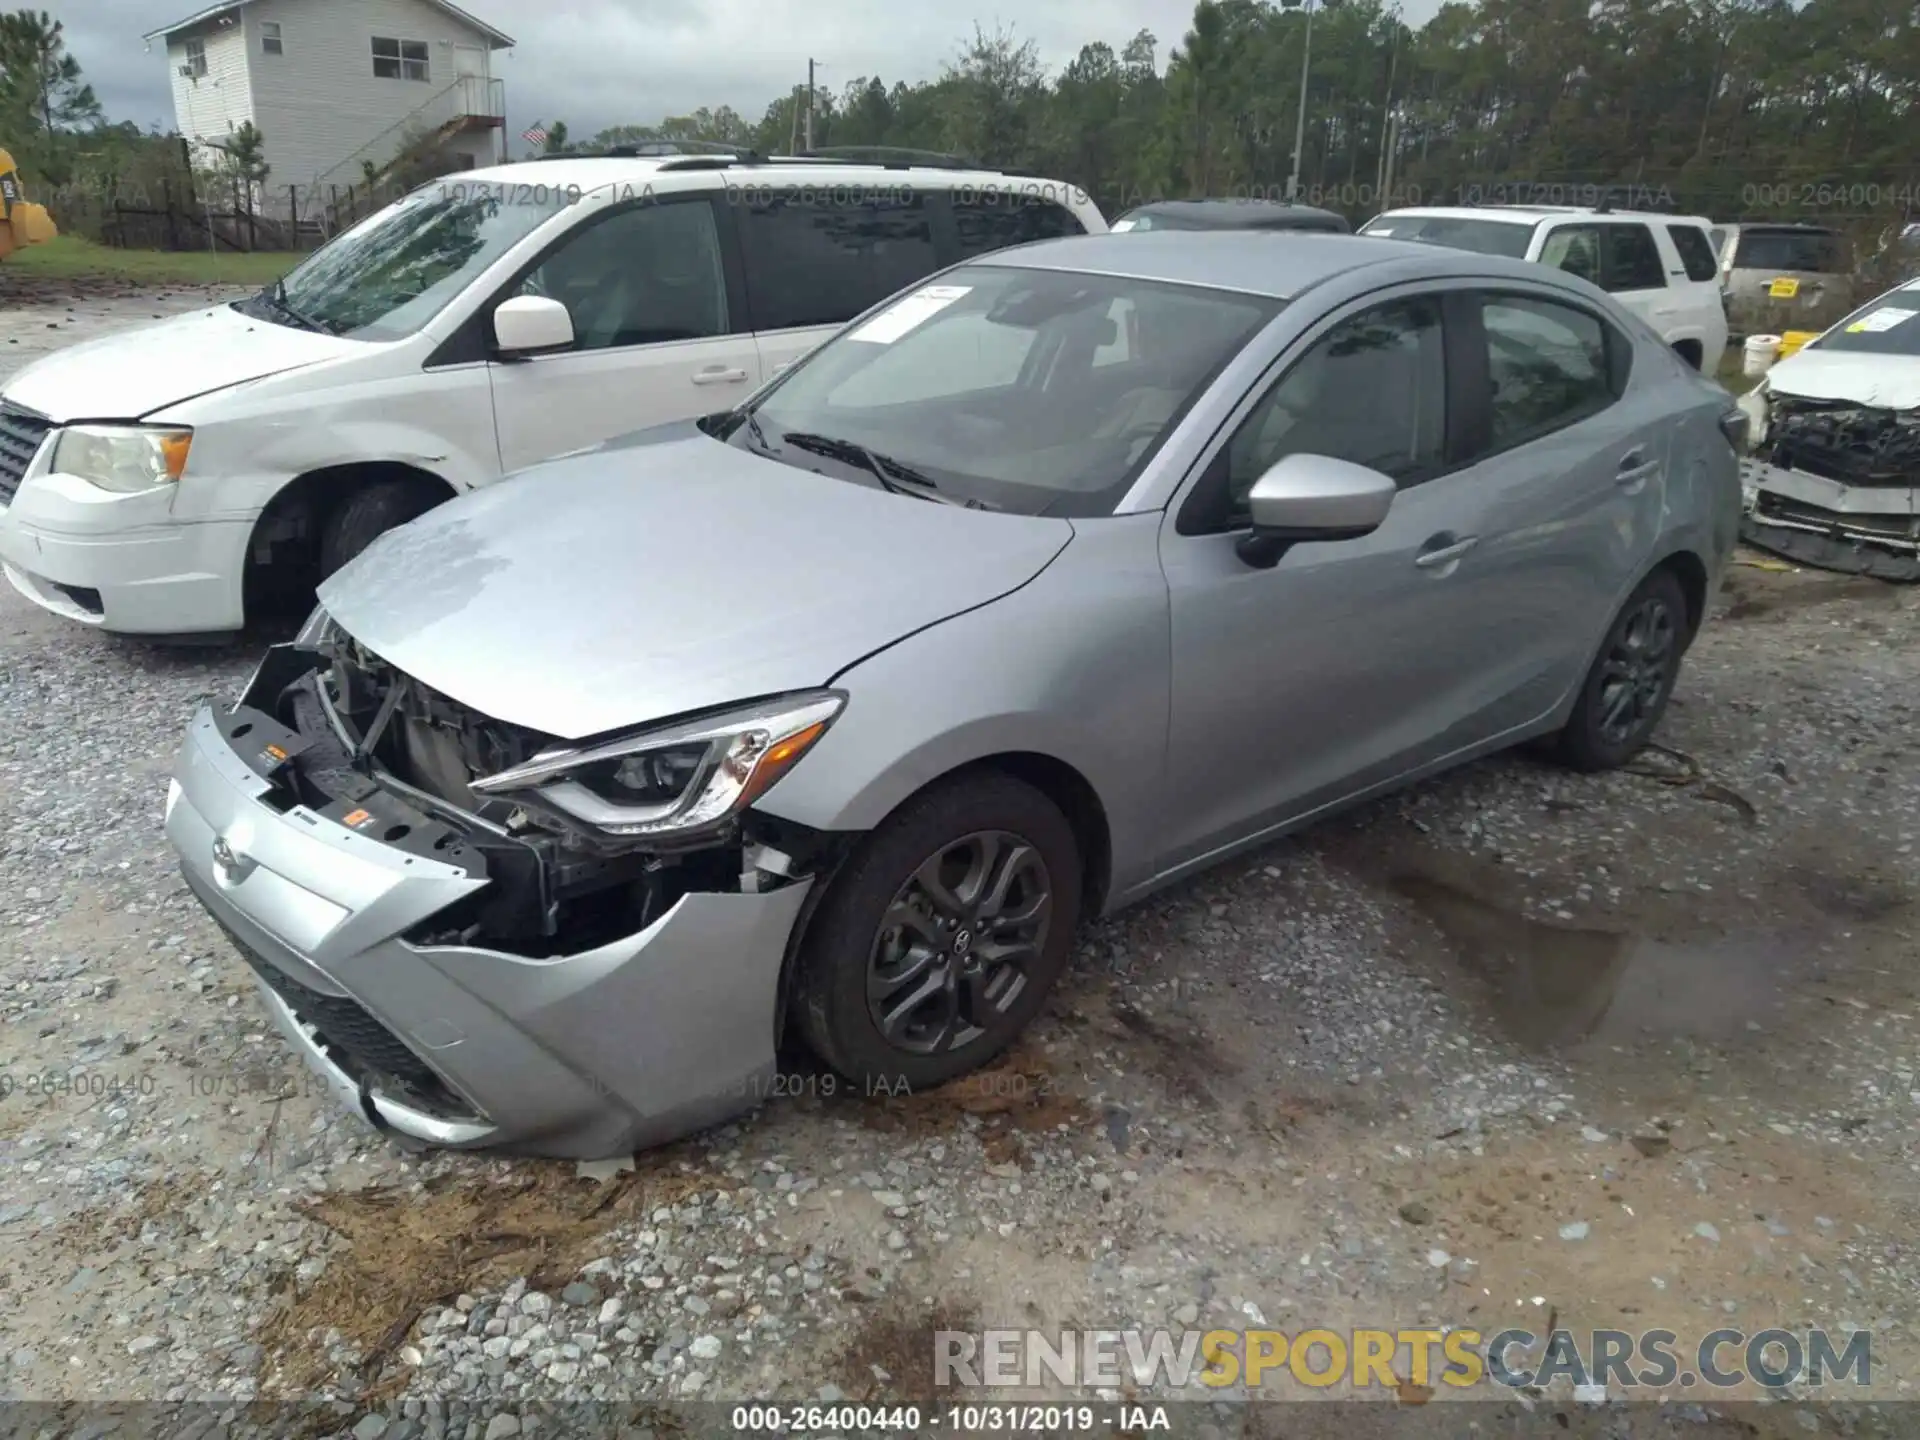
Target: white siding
[[319, 103], [216, 104]]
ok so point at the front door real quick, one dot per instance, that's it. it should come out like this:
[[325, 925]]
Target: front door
[[654, 335]]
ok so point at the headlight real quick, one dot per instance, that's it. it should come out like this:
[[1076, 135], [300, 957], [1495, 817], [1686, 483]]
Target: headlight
[[672, 781], [316, 629], [122, 458]]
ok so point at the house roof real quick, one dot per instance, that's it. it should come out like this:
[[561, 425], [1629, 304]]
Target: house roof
[[499, 38]]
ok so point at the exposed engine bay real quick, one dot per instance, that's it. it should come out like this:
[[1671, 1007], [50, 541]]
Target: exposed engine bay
[[343, 733], [1835, 484]]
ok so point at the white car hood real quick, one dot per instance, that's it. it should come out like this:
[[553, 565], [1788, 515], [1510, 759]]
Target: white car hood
[[1888, 381], [133, 372]]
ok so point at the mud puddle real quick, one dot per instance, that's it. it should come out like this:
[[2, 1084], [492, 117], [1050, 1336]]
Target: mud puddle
[[1558, 986]]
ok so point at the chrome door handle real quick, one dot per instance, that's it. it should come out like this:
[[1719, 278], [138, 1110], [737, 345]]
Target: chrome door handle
[[1446, 554], [1634, 467], [719, 375], [783, 367]]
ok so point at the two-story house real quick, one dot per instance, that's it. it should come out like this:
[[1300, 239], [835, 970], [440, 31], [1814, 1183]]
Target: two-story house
[[336, 85]]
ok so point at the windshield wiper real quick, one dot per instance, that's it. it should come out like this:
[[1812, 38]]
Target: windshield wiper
[[895, 476], [274, 297]]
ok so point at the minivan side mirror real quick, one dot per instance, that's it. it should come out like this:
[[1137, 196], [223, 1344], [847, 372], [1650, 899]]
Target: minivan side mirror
[[1312, 497], [531, 325]]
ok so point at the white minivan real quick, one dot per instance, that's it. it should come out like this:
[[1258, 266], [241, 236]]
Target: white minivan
[[1662, 267], [164, 479]]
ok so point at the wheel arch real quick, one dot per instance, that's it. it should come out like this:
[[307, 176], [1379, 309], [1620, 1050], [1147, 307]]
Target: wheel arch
[[283, 549]]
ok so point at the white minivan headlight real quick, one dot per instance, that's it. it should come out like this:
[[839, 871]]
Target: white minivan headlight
[[674, 780], [123, 458]]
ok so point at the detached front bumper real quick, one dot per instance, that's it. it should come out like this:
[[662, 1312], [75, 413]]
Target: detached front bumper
[[1859, 529], [584, 1055]]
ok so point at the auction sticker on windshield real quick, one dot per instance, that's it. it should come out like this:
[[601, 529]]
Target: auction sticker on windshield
[[1885, 318], [915, 310]]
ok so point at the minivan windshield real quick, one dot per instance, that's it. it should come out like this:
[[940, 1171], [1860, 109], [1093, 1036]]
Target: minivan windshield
[[1887, 326], [1483, 237], [396, 270], [1808, 251], [1043, 392]]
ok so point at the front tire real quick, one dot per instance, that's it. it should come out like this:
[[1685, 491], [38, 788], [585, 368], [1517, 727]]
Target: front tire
[[942, 936], [1626, 691], [369, 513]]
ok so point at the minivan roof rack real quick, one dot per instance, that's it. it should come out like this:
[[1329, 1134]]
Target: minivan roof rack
[[888, 156]]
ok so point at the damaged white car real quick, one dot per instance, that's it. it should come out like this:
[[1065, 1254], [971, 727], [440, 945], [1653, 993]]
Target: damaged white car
[[1834, 477]]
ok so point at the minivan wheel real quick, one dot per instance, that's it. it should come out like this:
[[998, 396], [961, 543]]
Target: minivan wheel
[[369, 513], [942, 935], [1627, 689]]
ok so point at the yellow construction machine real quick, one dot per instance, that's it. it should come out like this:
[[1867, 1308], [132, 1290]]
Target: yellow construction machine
[[21, 222]]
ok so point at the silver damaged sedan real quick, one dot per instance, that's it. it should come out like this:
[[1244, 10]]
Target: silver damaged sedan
[[826, 720]]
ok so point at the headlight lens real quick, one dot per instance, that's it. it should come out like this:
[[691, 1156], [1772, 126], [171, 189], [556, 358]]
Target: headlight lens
[[673, 781], [123, 458]]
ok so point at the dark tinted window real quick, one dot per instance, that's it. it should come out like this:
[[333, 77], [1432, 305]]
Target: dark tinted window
[[1548, 365], [993, 222], [1372, 390], [1696, 251], [1814, 250], [1574, 249], [1633, 259], [820, 257], [642, 276]]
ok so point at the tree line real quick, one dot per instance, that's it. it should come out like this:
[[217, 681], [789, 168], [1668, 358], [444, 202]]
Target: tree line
[[1728, 107]]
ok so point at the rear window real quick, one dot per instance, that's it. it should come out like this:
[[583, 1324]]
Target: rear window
[[1696, 251], [985, 223], [1819, 251], [1483, 237], [1887, 326]]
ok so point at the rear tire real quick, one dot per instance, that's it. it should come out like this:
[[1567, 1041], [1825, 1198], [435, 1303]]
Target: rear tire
[[1627, 689], [369, 513], [942, 936]]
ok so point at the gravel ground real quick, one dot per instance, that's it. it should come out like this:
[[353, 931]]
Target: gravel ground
[[1632, 1050]]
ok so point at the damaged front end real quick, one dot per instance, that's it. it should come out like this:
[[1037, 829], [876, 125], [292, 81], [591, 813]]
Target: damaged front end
[[1834, 484], [579, 845]]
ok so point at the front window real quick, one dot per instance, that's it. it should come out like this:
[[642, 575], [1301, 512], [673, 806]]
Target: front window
[[1887, 326], [1037, 391], [396, 270], [1808, 251], [399, 59], [1483, 237], [270, 42]]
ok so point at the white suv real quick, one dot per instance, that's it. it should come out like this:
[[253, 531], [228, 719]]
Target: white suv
[[1661, 267], [162, 479]]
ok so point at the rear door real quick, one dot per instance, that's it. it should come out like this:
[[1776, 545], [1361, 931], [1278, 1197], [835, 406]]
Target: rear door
[[1632, 268], [657, 336], [815, 256]]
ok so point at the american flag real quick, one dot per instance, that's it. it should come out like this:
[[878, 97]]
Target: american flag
[[534, 134]]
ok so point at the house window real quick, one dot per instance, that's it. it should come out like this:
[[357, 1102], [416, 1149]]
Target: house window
[[399, 59], [196, 58], [270, 38]]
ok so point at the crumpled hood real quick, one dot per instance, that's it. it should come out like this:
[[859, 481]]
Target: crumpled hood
[[667, 573], [130, 373], [1890, 382]]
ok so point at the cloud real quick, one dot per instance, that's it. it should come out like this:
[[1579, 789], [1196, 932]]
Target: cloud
[[595, 63]]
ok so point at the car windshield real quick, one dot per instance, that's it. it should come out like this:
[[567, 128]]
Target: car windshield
[[1043, 392], [1483, 237], [397, 269], [1887, 326], [1817, 251]]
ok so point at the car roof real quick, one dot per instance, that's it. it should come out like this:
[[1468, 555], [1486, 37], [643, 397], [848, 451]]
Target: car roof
[[1277, 263], [1534, 214], [709, 172], [1234, 212]]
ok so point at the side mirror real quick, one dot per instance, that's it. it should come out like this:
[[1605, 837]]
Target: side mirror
[[1312, 497], [531, 325]]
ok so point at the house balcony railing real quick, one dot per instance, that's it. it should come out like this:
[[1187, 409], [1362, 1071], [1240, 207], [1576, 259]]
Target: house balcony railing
[[469, 102]]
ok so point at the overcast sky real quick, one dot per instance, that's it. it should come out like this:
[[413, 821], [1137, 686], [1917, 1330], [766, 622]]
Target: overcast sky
[[595, 63]]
